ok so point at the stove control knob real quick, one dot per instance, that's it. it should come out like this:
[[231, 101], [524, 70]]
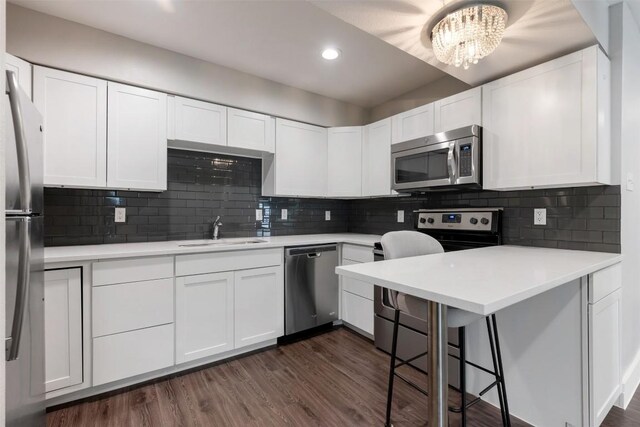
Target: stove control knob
[[484, 221], [473, 221], [423, 220], [430, 221]]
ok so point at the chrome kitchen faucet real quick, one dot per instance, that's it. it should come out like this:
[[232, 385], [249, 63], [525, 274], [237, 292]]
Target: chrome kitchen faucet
[[215, 227]]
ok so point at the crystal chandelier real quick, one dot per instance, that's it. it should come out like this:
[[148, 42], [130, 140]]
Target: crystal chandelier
[[468, 34]]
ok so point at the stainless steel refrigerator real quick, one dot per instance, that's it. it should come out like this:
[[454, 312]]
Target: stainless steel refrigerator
[[24, 281]]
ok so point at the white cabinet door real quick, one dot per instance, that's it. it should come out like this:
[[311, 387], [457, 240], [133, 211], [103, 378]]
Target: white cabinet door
[[300, 159], [199, 121], [204, 315], [22, 69], [376, 159], [462, 109], [259, 305], [548, 126], [74, 110], [604, 356], [357, 311], [63, 328], [249, 130], [137, 144], [344, 162], [412, 124]]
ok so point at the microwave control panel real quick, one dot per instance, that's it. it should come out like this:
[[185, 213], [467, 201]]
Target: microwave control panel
[[465, 167]]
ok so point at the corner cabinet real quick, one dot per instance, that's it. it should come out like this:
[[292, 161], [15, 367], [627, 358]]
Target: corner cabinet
[[376, 159], [459, 110], [74, 110], [549, 126], [299, 167], [415, 123], [63, 328], [344, 173], [137, 138]]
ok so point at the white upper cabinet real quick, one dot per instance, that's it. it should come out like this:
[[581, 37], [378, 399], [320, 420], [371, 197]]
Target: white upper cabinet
[[74, 110], [137, 145], [23, 70], [300, 166], [345, 161], [549, 126], [459, 110], [376, 159], [412, 124], [197, 121], [258, 305], [249, 130]]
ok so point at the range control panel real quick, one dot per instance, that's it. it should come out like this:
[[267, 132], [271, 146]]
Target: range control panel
[[464, 220]]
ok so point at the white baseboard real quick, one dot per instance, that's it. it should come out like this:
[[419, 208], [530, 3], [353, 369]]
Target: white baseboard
[[630, 382]]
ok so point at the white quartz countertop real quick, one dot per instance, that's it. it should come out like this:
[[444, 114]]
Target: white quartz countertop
[[125, 250], [482, 280]]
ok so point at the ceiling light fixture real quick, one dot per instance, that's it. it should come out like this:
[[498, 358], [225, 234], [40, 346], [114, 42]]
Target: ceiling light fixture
[[469, 34], [331, 53]]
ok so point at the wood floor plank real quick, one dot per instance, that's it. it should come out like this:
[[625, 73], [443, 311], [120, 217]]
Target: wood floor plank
[[334, 379]]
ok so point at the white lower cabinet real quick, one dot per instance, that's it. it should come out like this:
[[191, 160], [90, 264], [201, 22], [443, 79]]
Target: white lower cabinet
[[63, 328], [357, 296], [258, 305], [357, 311], [120, 356], [204, 315]]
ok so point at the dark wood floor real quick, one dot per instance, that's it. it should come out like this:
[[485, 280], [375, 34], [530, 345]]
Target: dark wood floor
[[333, 379]]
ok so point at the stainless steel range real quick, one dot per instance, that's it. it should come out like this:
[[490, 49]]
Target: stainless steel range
[[455, 229]]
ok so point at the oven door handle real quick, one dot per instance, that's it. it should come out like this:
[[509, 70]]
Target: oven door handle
[[452, 163]]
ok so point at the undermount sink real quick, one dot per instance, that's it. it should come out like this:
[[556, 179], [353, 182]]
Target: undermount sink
[[211, 242]]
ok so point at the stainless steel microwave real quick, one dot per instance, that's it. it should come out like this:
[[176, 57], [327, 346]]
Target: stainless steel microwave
[[444, 160]]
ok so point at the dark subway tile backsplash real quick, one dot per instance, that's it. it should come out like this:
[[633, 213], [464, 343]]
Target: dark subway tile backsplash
[[203, 185]]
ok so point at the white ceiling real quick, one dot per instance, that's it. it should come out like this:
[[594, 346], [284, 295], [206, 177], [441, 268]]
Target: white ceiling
[[276, 40], [537, 30]]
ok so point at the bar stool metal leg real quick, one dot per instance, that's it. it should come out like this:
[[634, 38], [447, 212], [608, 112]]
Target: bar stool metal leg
[[501, 371], [463, 375], [392, 366], [494, 359]]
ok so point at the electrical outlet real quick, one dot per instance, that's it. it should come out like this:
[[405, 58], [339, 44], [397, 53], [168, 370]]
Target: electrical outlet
[[121, 215], [327, 215], [539, 217], [258, 214], [400, 216], [284, 214]]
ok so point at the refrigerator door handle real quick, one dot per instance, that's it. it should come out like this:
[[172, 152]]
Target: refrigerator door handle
[[21, 143], [12, 343]]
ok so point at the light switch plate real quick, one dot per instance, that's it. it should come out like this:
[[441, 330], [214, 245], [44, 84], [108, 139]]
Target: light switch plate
[[539, 217], [400, 216], [327, 215], [121, 215], [258, 214], [284, 214]]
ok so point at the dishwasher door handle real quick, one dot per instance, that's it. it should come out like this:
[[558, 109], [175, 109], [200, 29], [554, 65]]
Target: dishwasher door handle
[[314, 255]]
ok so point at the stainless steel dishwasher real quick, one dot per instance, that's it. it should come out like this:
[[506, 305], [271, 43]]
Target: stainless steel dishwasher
[[311, 287]]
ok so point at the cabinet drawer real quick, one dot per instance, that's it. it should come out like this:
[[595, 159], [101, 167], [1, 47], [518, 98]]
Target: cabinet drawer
[[604, 282], [132, 353], [357, 311], [357, 253], [132, 270], [227, 261], [355, 286], [129, 306]]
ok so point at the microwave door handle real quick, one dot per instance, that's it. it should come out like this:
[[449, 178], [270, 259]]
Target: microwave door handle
[[12, 343], [452, 163], [21, 142]]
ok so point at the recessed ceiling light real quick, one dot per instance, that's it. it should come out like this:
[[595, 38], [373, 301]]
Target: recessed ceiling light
[[331, 53]]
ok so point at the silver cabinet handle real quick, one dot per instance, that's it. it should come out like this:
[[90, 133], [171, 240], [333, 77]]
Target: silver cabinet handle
[[452, 164], [12, 343], [21, 142]]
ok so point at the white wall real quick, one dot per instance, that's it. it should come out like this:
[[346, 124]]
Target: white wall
[[2, 226], [625, 103], [44, 39], [426, 94], [595, 13]]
